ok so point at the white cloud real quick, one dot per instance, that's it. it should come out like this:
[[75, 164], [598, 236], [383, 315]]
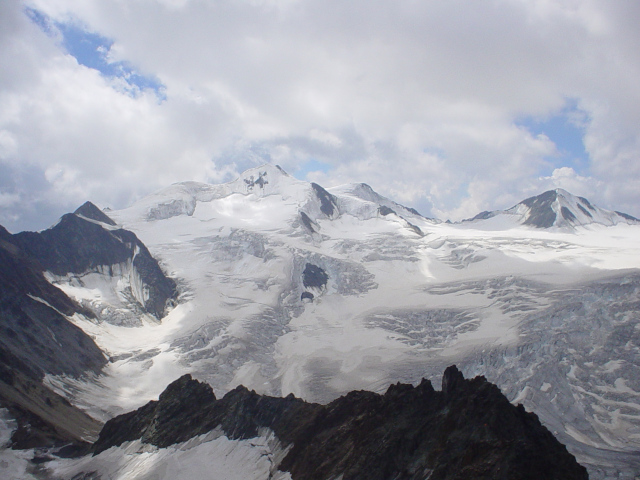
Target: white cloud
[[8, 199], [418, 99]]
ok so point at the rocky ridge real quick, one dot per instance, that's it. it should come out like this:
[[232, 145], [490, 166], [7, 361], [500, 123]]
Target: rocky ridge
[[466, 430], [558, 208], [88, 241]]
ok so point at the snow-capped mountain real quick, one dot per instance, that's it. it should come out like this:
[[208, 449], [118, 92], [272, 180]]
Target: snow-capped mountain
[[286, 287], [556, 208], [121, 284]]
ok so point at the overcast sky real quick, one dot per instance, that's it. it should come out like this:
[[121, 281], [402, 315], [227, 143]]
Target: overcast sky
[[451, 107]]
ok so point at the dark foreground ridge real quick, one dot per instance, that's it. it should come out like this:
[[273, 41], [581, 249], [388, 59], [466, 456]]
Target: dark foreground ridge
[[469, 430]]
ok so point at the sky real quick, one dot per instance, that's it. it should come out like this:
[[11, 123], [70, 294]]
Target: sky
[[450, 107]]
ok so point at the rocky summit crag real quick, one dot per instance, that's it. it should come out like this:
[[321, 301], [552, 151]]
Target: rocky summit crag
[[466, 430]]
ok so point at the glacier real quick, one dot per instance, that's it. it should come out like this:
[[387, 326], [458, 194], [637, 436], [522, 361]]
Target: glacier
[[548, 314]]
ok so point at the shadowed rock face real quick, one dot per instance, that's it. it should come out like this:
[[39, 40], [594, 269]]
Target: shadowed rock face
[[188, 408], [328, 204], [33, 328], [89, 210], [541, 214], [384, 210], [467, 430], [314, 276], [36, 339]]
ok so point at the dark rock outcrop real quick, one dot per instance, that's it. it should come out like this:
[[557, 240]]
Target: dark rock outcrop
[[384, 210], [484, 215], [626, 216], [541, 214], [467, 430], [415, 229], [314, 276], [261, 181], [35, 335], [307, 222], [328, 203], [188, 408], [36, 338], [89, 210], [568, 214]]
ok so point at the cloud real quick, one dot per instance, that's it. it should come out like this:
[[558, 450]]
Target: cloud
[[419, 99]]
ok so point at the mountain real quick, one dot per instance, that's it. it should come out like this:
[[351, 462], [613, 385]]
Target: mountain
[[38, 339], [81, 246], [38, 320], [89, 211], [290, 288], [467, 430], [558, 208]]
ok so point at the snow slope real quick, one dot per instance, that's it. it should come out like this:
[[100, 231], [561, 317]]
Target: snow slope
[[208, 457], [548, 314]]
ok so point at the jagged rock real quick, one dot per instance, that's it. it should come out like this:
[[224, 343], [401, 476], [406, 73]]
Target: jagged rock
[[328, 203], [384, 210], [467, 430], [188, 408], [89, 210], [307, 222]]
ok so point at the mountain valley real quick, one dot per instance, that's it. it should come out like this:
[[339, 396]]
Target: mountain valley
[[297, 291]]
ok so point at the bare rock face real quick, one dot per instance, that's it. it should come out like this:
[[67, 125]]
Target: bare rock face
[[314, 276], [90, 211], [467, 430], [328, 203], [35, 336]]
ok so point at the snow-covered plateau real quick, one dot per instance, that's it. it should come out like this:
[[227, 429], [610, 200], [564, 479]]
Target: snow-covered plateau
[[285, 287]]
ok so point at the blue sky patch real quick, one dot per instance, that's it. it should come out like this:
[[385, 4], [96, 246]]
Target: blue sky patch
[[312, 165], [566, 131], [92, 50]]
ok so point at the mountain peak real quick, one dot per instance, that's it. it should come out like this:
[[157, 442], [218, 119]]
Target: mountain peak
[[263, 180], [90, 211], [558, 208]]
